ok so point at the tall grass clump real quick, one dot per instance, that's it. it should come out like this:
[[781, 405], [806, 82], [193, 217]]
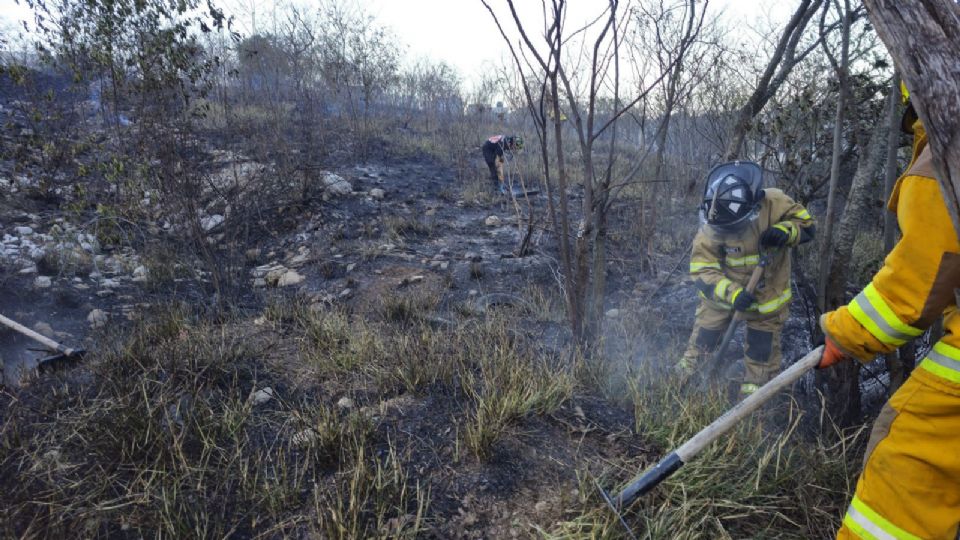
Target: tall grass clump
[[767, 478], [505, 383]]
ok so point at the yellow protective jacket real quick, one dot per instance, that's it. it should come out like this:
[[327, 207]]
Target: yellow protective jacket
[[721, 262], [917, 282], [908, 487]]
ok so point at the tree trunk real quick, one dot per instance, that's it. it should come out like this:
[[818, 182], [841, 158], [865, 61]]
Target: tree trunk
[[855, 213], [827, 236], [891, 170], [924, 39], [844, 383]]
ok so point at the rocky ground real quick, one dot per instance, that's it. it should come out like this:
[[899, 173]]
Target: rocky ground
[[390, 259]]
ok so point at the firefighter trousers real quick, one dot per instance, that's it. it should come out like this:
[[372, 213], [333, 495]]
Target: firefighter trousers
[[910, 484], [762, 352]]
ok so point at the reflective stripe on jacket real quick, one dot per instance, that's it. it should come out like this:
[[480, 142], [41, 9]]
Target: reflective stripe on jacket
[[721, 263]]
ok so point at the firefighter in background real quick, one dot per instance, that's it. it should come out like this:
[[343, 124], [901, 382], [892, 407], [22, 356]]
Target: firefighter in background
[[741, 222], [910, 484], [494, 151]]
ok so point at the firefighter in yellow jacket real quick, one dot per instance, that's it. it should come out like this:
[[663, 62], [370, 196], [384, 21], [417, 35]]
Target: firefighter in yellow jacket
[[910, 484], [742, 222]]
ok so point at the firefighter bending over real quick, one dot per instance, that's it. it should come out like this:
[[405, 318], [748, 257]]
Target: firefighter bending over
[[742, 222], [494, 150]]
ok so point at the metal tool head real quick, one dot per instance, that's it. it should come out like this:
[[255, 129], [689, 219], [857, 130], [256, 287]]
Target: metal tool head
[[616, 510], [60, 361]]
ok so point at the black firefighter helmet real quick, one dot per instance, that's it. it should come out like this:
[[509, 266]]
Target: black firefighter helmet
[[732, 195]]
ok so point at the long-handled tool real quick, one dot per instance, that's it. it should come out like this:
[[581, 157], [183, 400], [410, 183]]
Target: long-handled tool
[[66, 354], [676, 459], [755, 277]]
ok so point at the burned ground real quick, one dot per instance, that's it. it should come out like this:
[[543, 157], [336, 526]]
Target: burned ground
[[394, 370]]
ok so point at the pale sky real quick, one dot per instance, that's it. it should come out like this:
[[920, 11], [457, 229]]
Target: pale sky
[[461, 32]]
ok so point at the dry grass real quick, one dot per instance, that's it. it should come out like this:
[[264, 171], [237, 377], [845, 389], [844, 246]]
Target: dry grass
[[768, 478], [162, 438], [506, 384], [400, 228]]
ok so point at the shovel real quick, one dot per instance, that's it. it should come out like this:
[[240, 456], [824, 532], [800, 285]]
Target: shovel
[[642, 484], [66, 354]]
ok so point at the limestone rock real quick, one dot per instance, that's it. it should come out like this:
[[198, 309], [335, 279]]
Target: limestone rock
[[140, 274], [42, 282], [345, 403], [304, 438], [271, 274], [377, 194], [336, 184], [289, 278], [409, 280], [97, 318], [208, 223], [262, 396], [493, 221], [44, 329]]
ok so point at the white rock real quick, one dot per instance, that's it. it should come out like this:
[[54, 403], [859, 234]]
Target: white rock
[[337, 185], [97, 318], [304, 438], [351, 266], [378, 194], [259, 282], [262, 396], [42, 282], [44, 328], [290, 277], [493, 221], [299, 259], [411, 279], [345, 403], [273, 274], [208, 223], [24, 231], [345, 293], [612, 313], [140, 274]]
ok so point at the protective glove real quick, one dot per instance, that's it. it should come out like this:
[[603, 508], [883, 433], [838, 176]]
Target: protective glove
[[775, 237], [742, 300], [831, 354]]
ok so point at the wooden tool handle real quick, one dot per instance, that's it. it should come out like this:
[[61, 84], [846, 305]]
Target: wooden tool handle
[[676, 459], [39, 338], [755, 278]]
